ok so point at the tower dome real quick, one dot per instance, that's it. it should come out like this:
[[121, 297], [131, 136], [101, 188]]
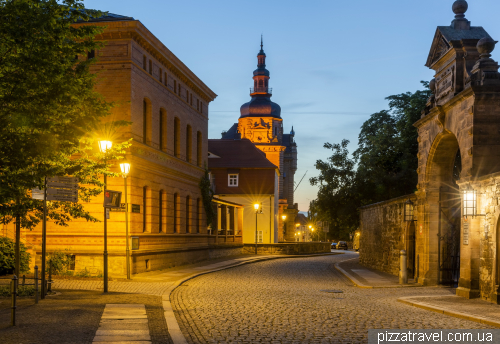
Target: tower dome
[[261, 105]]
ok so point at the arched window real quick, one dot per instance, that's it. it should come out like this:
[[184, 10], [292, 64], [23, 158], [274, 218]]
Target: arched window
[[161, 228], [177, 139], [198, 215], [261, 84], [144, 208], [198, 148], [163, 130], [189, 139], [176, 212], [188, 214], [146, 121]]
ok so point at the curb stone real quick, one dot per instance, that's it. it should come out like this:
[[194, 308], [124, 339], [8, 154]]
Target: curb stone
[[448, 312], [359, 284]]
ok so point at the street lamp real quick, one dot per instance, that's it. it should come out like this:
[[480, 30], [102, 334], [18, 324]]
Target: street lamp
[[104, 146], [283, 217], [125, 167], [469, 203], [408, 211], [258, 210], [312, 230]]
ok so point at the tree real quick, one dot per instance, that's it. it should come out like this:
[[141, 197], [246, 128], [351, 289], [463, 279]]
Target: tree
[[382, 167], [7, 257], [49, 110]]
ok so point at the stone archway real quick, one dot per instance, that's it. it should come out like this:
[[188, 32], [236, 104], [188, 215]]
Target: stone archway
[[438, 245]]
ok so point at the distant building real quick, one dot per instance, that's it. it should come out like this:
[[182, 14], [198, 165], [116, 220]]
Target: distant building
[[241, 174], [260, 122], [302, 232]]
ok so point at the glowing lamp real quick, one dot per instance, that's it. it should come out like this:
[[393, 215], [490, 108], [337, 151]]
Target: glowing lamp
[[408, 211], [125, 167], [104, 146], [469, 203], [256, 206], [283, 217]]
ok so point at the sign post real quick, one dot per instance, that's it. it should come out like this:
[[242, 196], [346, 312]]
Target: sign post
[[60, 189]]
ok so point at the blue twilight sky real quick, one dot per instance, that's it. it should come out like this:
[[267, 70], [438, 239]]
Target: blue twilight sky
[[332, 63]]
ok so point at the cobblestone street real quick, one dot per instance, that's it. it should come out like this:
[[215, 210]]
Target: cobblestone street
[[281, 301]]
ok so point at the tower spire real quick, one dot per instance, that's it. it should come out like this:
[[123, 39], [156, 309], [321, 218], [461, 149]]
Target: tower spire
[[261, 42]]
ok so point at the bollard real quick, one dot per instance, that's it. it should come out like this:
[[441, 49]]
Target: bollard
[[403, 270], [36, 284], [49, 289], [13, 290]]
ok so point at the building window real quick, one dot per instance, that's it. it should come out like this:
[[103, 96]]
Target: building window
[[150, 67], [72, 262], [176, 211], [160, 212], [144, 62], [175, 86], [201, 107], [166, 79], [188, 213], [144, 208], [146, 121], [188, 143], [163, 131], [191, 99], [233, 180], [199, 143], [187, 96], [198, 215], [179, 90], [177, 142], [90, 54], [197, 104], [161, 75]]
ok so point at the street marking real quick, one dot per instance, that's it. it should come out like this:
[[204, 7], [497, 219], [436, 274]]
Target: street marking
[[123, 323]]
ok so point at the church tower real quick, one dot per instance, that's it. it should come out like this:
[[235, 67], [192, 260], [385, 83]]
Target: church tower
[[260, 119], [260, 122]]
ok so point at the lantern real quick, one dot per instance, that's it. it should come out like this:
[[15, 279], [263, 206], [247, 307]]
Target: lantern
[[469, 202], [408, 211]]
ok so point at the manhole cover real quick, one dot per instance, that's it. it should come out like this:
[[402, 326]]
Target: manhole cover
[[332, 291]]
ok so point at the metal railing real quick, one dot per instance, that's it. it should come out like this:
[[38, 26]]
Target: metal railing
[[261, 89]]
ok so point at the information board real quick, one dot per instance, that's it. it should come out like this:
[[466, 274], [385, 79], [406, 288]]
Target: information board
[[466, 233]]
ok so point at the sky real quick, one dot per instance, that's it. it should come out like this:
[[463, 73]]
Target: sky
[[332, 63]]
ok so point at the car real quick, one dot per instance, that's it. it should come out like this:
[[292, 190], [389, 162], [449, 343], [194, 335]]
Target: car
[[334, 245], [342, 245]]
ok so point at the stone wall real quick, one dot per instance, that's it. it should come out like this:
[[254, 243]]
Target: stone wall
[[382, 234], [288, 248]]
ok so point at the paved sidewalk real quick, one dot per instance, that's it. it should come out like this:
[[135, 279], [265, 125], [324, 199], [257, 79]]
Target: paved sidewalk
[[475, 309], [364, 277], [123, 323]]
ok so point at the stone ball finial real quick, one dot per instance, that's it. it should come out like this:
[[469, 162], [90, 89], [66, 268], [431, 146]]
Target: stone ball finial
[[459, 8], [432, 86], [485, 46]]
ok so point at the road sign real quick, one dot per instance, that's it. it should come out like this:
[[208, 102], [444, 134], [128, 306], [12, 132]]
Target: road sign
[[62, 192], [112, 199], [36, 193], [326, 226], [58, 179], [62, 198], [62, 185]]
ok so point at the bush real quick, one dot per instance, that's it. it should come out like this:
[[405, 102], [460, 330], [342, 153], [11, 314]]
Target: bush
[[7, 256], [59, 262], [21, 290]]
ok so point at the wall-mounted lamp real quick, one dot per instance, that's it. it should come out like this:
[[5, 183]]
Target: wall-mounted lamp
[[409, 211], [469, 202]]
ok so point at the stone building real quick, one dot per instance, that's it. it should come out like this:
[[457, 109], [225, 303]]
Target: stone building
[[260, 122], [241, 174], [457, 210], [168, 107]]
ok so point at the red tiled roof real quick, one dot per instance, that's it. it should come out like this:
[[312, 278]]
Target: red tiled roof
[[237, 154]]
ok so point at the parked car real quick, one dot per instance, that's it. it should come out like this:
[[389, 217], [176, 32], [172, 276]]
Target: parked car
[[334, 245], [342, 245]]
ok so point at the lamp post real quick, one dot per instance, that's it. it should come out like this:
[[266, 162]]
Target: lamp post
[[312, 230], [125, 167], [258, 209], [104, 146], [283, 217]]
